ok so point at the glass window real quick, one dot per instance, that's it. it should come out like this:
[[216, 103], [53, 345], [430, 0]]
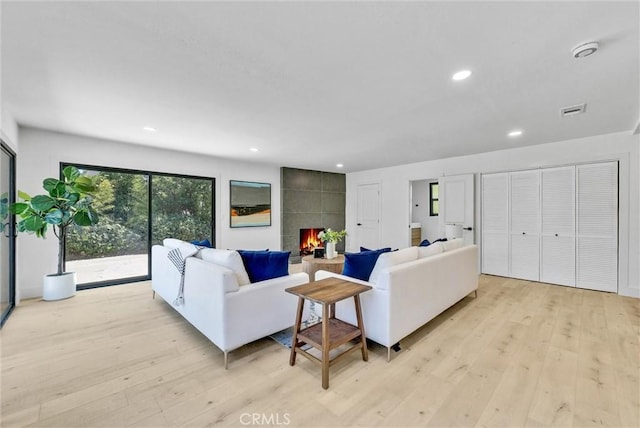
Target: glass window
[[117, 247], [137, 210], [181, 208], [434, 207]]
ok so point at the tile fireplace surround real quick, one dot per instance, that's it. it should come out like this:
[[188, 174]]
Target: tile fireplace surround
[[310, 199]]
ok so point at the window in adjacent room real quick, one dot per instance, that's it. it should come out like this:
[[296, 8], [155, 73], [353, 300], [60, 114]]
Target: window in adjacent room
[[434, 207]]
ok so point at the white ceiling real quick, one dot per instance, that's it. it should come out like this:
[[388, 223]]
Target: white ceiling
[[312, 84]]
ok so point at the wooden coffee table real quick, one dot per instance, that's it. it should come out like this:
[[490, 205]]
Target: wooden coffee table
[[331, 332]]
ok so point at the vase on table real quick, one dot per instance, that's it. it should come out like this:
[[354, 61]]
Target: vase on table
[[330, 250]]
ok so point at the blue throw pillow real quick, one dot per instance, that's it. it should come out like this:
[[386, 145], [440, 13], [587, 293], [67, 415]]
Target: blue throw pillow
[[263, 265], [360, 265], [203, 243], [424, 243], [384, 250]]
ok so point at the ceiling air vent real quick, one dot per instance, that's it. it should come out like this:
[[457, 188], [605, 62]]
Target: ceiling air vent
[[573, 110]]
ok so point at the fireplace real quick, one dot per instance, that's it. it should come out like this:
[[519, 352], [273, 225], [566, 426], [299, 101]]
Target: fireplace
[[309, 240]]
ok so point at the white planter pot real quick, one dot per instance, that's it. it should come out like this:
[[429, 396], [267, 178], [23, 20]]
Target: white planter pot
[[58, 287], [330, 250]]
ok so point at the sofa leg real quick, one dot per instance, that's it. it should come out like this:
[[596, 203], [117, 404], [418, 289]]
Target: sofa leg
[[388, 354], [476, 293], [226, 360], [154, 294]]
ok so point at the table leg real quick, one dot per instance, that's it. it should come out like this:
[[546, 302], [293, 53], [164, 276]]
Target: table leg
[[296, 330], [363, 338], [325, 346]]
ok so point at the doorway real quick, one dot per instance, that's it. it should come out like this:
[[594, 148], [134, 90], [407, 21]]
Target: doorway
[[7, 235], [425, 209]]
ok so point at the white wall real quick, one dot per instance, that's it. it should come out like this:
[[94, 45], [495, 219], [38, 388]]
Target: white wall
[[9, 129], [394, 189], [420, 214], [42, 151], [8, 125]]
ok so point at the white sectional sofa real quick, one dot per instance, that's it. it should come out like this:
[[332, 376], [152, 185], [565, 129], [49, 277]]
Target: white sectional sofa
[[411, 287], [219, 301]]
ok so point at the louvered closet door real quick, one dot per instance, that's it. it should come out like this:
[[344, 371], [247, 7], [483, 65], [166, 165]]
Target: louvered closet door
[[558, 240], [524, 230], [597, 226], [495, 224]]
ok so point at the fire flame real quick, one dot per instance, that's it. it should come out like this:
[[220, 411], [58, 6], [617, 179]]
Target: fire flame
[[309, 240]]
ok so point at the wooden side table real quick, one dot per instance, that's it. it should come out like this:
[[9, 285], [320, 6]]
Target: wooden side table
[[331, 332], [311, 265]]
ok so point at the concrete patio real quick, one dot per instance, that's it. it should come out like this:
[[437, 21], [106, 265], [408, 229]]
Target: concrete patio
[[109, 268]]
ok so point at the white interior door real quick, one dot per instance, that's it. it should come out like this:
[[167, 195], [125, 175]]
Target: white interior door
[[495, 224], [558, 231], [597, 226], [368, 216], [524, 196], [457, 202]]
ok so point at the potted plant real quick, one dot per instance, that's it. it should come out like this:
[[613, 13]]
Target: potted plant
[[331, 238], [68, 201]]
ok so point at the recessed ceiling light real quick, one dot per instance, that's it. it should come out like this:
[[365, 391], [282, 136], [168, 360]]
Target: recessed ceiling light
[[515, 133], [149, 128], [585, 49], [339, 165], [253, 149], [461, 75]]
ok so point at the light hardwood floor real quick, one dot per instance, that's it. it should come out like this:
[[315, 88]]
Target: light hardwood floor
[[520, 354]]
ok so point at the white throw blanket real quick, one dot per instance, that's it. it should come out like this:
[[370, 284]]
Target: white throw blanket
[[178, 257]]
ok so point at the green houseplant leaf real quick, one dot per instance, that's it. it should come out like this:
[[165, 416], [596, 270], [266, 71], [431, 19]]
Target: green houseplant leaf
[[71, 173], [18, 208], [72, 198], [54, 216], [32, 223], [42, 203], [85, 217], [49, 184], [59, 190], [24, 196], [84, 185]]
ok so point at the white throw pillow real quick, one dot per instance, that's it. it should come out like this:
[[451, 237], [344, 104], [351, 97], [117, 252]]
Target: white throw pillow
[[431, 250], [184, 251], [173, 243], [453, 244], [229, 259], [391, 259]]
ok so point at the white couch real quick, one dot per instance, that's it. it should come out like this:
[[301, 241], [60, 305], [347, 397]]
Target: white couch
[[411, 287], [226, 312]]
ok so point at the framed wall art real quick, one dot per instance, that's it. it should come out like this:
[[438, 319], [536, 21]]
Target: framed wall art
[[250, 204]]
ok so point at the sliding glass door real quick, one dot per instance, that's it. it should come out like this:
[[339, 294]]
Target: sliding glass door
[[115, 249], [137, 209], [7, 235]]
